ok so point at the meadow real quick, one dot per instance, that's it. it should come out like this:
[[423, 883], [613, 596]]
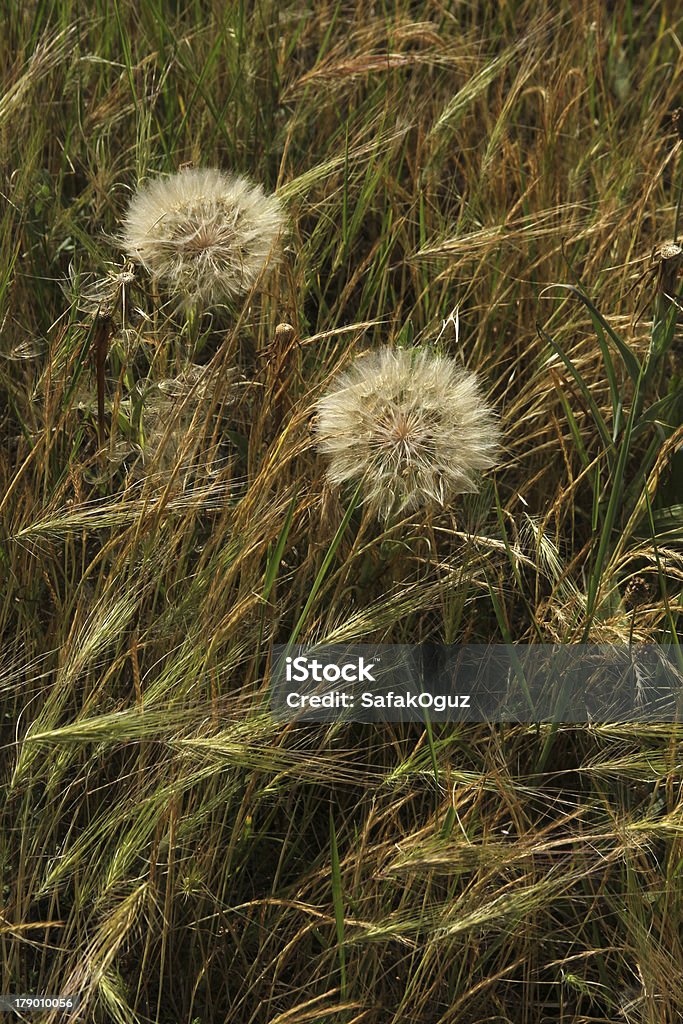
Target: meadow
[[497, 183]]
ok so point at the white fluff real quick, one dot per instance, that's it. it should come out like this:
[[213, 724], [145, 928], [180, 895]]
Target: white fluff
[[411, 425], [204, 235]]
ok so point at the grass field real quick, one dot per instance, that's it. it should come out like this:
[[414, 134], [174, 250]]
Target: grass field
[[492, 180]]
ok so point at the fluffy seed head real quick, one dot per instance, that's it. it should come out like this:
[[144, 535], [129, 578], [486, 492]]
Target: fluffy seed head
[[167, 415], [204, 235], [412, 426]]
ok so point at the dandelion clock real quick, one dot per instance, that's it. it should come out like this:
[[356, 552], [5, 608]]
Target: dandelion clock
[[203, 235], [412, 428]]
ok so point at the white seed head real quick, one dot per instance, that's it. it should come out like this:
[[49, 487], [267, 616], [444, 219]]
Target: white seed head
[[167, 416], [411, 426], [204, 235]]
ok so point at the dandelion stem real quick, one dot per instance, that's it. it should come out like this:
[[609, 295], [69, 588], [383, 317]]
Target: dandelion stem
[[101, 345], [327, 561]]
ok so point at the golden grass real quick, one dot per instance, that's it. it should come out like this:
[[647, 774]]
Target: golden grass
[[167, 851]]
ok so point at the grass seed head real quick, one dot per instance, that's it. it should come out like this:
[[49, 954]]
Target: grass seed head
[[412, 426], [204, 235]]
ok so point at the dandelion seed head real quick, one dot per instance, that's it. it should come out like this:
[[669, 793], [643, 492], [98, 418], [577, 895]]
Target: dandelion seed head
[[172, 436], [412, 426], [102, 296], [203, 234]]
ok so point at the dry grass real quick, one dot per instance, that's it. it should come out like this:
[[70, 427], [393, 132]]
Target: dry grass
[[167, 851]]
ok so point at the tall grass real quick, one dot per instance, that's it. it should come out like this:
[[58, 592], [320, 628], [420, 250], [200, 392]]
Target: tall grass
[[167, 850]]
